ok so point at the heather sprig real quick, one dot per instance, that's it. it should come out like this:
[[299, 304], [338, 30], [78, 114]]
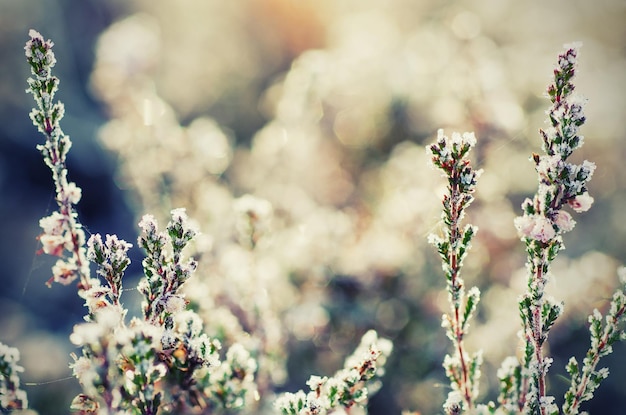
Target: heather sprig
[[62, 235], [544, 221], [163, 362], [196, 376], [450, 154], [111, 257], [165, 272], [585, 380], [12, 397], [348, 387]]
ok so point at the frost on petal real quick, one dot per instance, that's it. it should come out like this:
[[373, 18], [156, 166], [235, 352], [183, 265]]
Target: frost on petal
[[53, 224], [64, 272], [179, 215], [148, 224], [543, 230], [564, 221], [175, 304], [535, 227], [52, 244], [469, 138], [581, 203], [73, 193], [524, 225]]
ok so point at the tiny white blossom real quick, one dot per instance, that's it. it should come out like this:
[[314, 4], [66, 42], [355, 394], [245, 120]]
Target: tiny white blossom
[[53, 224], [148, 224], [64, 272], [53, 244], [316, 382], [73, 193], [175, 304]]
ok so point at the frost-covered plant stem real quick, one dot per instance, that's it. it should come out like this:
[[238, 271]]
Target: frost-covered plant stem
[[450, 155], [584, 383], [544, 221], [349, 387], [62, 232]]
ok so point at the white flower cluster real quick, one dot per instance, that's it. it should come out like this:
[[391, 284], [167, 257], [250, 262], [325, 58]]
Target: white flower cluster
[[117, 362], [39, 54], [165, 271], [347, 388], [12, 398], [560, 183]]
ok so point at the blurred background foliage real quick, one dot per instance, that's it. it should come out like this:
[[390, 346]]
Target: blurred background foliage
[[323, 108]]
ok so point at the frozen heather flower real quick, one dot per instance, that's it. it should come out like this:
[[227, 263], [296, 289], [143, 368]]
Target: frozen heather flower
[[148, 224], [563, 221], [568, 59], [64, 272], [96, 297], [205, 350], [317, 405], [548, 406], [175, 304], [581, 203], [445, 149], [535, 227], [466, 138], [53, 224], [39, 54], [112, 260], [549, 164], [52, 244], [316, 382], [586, 170], [188, 321], [73, 193], [83, 369], [576, 110], [291, 403], [84, 404], [507, 367], [454, 403], [179, 215], [180, 229]]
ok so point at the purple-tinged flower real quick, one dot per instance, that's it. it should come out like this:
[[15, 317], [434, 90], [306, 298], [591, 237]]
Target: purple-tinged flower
[[581, 203], [52, 244], [64, 272], [563, 221], [39, 54], [535, 227]]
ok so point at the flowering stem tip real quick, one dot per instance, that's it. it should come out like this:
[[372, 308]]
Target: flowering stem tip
[[450, 155]]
